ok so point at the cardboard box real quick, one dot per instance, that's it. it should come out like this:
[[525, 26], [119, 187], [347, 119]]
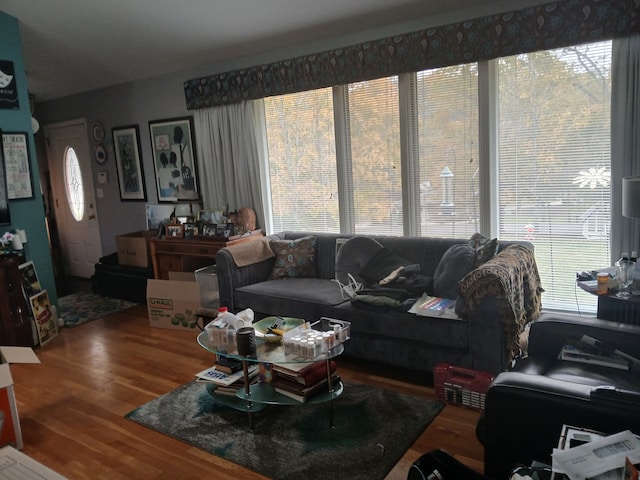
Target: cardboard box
[[10, 431], [133, 248], [172, 304], [207, 280]]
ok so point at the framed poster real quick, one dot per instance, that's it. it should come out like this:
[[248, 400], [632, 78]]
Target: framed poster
[[8, 86], [30, 282], [126, 145], [5, 217], [45, 321], [174, 161], [16, 163]]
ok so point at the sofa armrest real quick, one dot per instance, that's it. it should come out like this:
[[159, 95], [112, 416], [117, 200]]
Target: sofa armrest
[[231, 277], [487, 337], [550, 332]]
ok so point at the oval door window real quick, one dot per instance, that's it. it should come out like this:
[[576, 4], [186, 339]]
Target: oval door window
[[73, 184]]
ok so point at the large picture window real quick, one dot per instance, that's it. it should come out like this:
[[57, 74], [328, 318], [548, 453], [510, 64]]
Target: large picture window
[[404, 153]]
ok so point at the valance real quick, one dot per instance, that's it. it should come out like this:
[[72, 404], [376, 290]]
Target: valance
[[542, 27]]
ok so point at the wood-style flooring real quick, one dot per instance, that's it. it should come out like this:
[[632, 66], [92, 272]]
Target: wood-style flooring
[[72, 405]]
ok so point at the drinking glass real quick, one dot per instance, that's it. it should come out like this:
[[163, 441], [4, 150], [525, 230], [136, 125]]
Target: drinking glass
[[625, 279]]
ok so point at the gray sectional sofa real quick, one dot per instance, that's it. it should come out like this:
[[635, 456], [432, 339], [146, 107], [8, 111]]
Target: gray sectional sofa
[[495, 299]]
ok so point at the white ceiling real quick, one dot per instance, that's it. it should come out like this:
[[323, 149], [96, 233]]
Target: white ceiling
[[72, 46]]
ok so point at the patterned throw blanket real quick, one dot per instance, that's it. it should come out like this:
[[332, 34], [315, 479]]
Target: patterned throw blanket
[[512, 278]]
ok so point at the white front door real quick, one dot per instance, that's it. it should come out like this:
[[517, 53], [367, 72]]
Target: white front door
[[73, 196]]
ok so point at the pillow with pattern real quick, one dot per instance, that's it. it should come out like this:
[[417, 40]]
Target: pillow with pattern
[[485, 248], [294, 258]]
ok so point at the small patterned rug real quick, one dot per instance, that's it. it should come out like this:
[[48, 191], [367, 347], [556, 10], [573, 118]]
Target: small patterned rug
[[83, 307], [373, 430]]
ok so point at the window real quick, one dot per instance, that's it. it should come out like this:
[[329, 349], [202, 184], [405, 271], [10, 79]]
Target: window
[[374, 138], [302, 161], [73, 184], [405, 158], [554, 163], [447, 104]]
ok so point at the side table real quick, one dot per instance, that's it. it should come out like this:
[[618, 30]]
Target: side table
[[613, 308], [188, 255]]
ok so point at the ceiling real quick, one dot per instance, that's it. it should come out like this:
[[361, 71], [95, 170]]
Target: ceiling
[[73, 46]]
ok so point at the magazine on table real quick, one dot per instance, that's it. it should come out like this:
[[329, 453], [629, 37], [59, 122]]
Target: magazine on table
[[214, 375]]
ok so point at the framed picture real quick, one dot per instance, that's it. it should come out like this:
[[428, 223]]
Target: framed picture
[[16, 163], [175, 231], [173, 147], [5, 217], [42, 314], [126, 145], [209, 229], [191, 230], [30, 282]]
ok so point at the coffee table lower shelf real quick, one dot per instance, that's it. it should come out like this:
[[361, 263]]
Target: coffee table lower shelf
[[263, 394]]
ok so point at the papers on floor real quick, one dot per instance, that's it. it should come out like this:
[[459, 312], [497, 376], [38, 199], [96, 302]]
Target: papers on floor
[[602, 459]]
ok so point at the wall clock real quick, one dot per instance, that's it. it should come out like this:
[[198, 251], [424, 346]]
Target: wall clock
[[97, 132]]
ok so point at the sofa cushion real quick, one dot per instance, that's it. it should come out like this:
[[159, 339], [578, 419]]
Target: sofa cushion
[[454, 265], [485, 248], [381, 264], [442, 331], [294, 258], [295, 297]]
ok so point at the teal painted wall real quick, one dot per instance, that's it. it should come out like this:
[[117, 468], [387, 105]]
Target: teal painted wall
[[26, 214]]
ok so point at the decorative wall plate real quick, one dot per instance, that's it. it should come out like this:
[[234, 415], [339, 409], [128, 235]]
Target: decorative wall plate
[[101, 155], [97, 132]]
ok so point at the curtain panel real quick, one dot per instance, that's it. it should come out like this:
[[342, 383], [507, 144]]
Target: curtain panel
[[625, 141], [229, 158], [542, 27]]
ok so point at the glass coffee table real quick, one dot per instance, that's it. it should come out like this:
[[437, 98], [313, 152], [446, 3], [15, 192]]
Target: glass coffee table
[[255, 397]]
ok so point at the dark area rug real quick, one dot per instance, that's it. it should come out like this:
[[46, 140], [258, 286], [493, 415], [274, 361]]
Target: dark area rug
[[373, 430], [83, 307]]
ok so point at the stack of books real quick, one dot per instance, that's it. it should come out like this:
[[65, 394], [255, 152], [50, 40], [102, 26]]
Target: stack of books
[[226, 383], [592, 351], [302, 381]]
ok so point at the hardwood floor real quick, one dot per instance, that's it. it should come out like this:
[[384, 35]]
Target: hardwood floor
[[72, 405]]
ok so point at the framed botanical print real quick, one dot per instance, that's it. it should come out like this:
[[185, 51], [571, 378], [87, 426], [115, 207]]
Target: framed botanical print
[[126, 145], [173, 147]]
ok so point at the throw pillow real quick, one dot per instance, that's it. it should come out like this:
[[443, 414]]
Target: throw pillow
[[454, 265], [485, 248], [294, 258], [381, 264]]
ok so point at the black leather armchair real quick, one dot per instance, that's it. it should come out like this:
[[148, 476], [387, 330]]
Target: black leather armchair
[[526, 407]]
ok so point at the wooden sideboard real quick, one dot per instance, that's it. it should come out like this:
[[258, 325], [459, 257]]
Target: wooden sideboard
[[188, 255]]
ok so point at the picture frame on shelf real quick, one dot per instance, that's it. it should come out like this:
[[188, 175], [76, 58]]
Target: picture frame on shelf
[[175, 230], [15, 147], [174, 160], [126, 145], [209, 230], [191, 230]]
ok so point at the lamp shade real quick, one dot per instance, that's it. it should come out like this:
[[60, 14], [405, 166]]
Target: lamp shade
[[631, 197]]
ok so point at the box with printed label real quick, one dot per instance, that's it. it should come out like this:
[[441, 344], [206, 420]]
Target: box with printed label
[[10, 431], [133, 248], [173, 304]]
